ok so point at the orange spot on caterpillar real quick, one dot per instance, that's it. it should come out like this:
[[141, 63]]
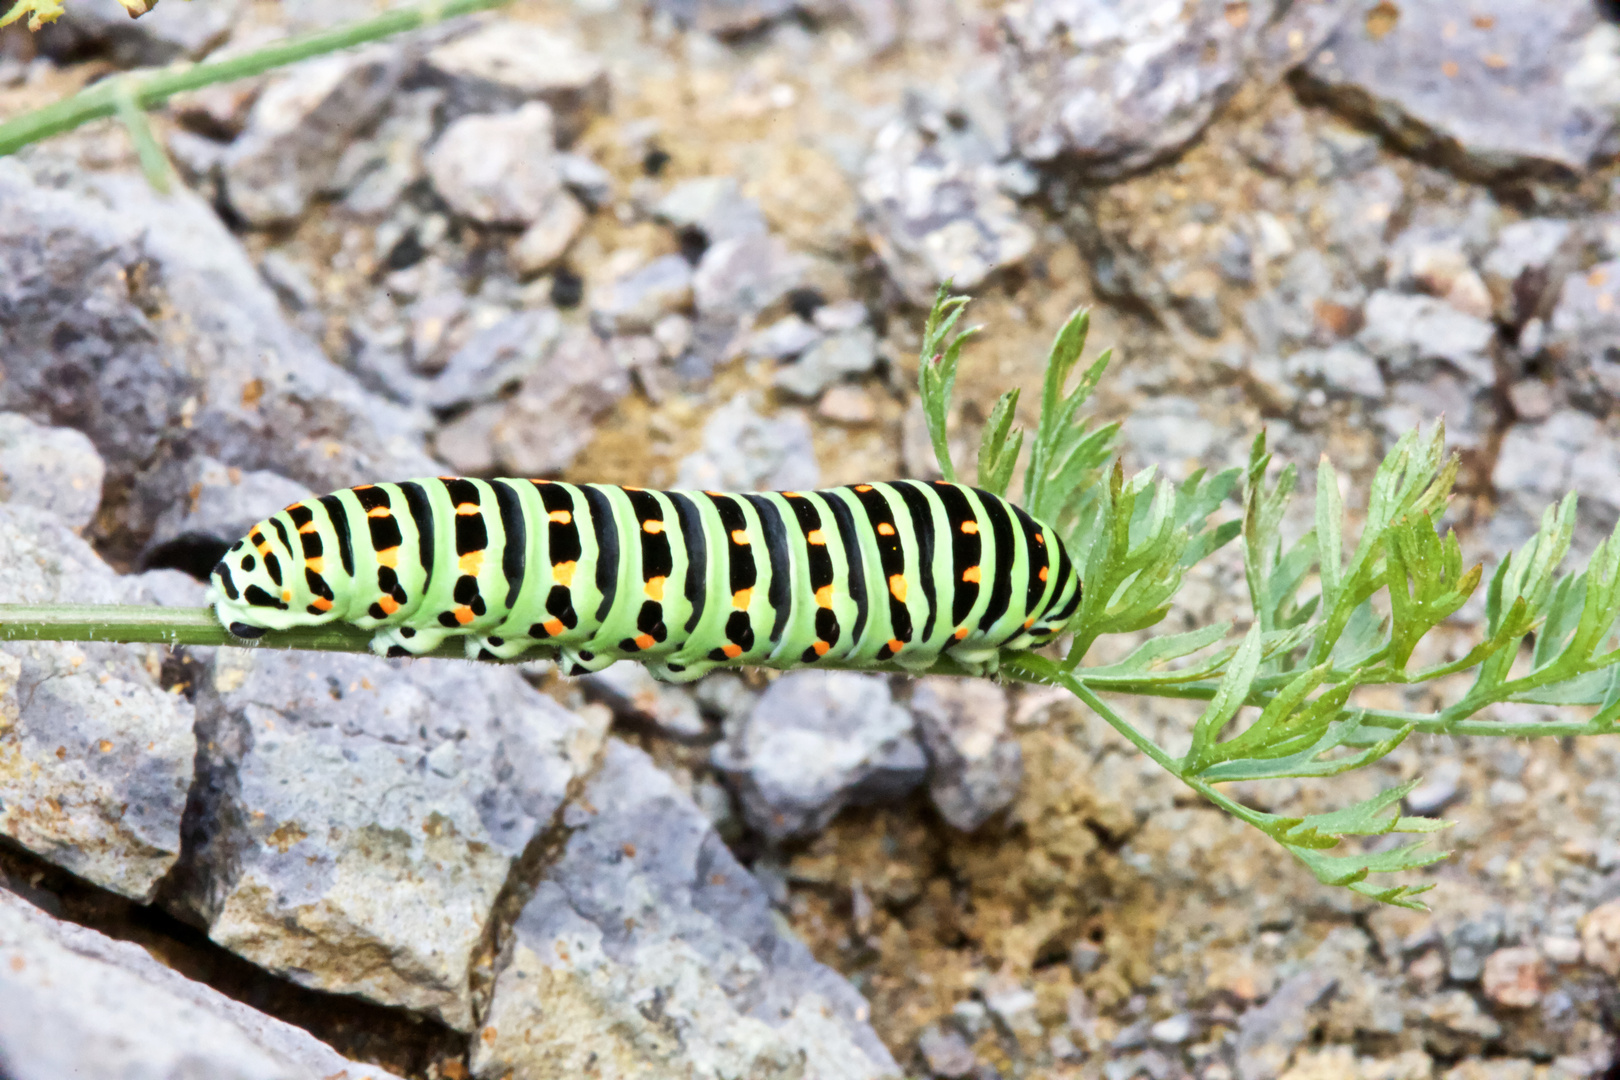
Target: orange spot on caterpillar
[[627, 487], [970, 527], [1029, 622], [561, 517], [895, 645], [731, 650], [379, 512], [286, 596], [1042, 574], [388, 604], [471, 563], [816, 538], [645, 641], [897, 587], [742, 598], [322, 604], [563, 573], [655, 588], [388, 557], [824, 596], [653, 526], [791, 495], [464, 615], [466, 509], [973, 574], [885, 529], [552, 626], [317, 564], [821, 648], [961, 632], [739, 537], [1040, 538], [362, 487], [863, 487], [306, 528]]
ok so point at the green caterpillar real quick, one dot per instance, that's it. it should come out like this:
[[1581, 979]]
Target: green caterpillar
[[683, 581]]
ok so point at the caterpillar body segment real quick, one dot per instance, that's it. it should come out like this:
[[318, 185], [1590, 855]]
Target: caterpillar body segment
[[682, 581]]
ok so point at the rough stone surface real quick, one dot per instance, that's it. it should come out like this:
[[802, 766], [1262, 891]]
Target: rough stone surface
[[221, 502], [76, 1003], [975, 765], [935, 211], [744, 451], [853, 352], [242, 386], [496, 358], [95, 758], [360, 817], [648, 951], [55, 469], [815, 743], [547, 423], [738, 277], [637, 698], [713, 205], [549, 236], [500, 169], [1584, 331], [300, 127], [634, 301], [504, 64], [1408, 330], [1510, 87]]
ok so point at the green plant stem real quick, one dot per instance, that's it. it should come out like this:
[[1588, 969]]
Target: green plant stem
[[148, 90]]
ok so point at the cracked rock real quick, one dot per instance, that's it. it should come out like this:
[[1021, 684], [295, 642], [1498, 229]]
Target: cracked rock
[[1512, 87], [648, 951], [358, 818], [818, 741], [74, 1002], [299, 129], [1526, 267], [975, 763], [219, 501], [95, 757], [498, 169]]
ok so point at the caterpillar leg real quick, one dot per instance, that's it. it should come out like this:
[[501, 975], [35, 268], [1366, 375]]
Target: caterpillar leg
[[406, 640], [484, 647], [670, 672], [582, 661], [977, 661]]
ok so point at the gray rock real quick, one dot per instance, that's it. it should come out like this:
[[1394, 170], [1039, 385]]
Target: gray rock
[[553, 415], [784, 339], [934, 212], [161, 36], [496, 358], [95, 758], [853, 352], [79, 273], [219, 501], [947, 1053], [723, 18], [816, 742], [1359, 209], [635, 300], [499, 169], [1468, 945], [647, 951], [76, 1003], [975, 764], [738, 277], [714, 206], [1169, 430], [1523, 271], [1570, 451], [1113, 87], [744, 451], [360, 817], [637, 698], [548, 237], [1442, 786], [505, 63], [1437, 260], [1268, 1035], [55, 469], [1515, 86], [374, 172], [1406, 331], [299, 128], [591, 183], [1343, 370], [1584, 332]]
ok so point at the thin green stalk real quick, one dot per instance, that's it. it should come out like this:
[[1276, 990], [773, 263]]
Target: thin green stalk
[[148, 90]]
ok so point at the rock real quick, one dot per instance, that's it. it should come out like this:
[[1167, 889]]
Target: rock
[[1169, 430], [1441, 786], [1269, 1034], [784, 339], [739, 277], [467, 443], [1113, 87], [853, 352], [633, 301], [975, 764], [1343, 370], [159, 37], [1436, 260], [1405, 331], [723, 18], [934, 211], [1530, 259], [1570, 451], [553, 415], [817, 742], [358, 818], [1584, 331], [500, 169], [55, 469], [591, 183], [505, 63], [549, 237], [673, 333], [95, 757], [375, 172], [637, 698], [647, 951], [1013, 1006], [1513, 977], [76, 1003], [1600, 938], [496, 358], [1492, 1069], [845, 404], [1457, 1025], [219, 502], [1515, 87], [744, 451], [1467, 946], [712, 205], [80, 271], [946, 1052], [299, 128]]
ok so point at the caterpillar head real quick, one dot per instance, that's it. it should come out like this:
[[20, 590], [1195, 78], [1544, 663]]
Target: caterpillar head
[[254, 584]]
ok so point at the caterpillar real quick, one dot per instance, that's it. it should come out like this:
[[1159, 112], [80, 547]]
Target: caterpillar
[[683, 581]]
